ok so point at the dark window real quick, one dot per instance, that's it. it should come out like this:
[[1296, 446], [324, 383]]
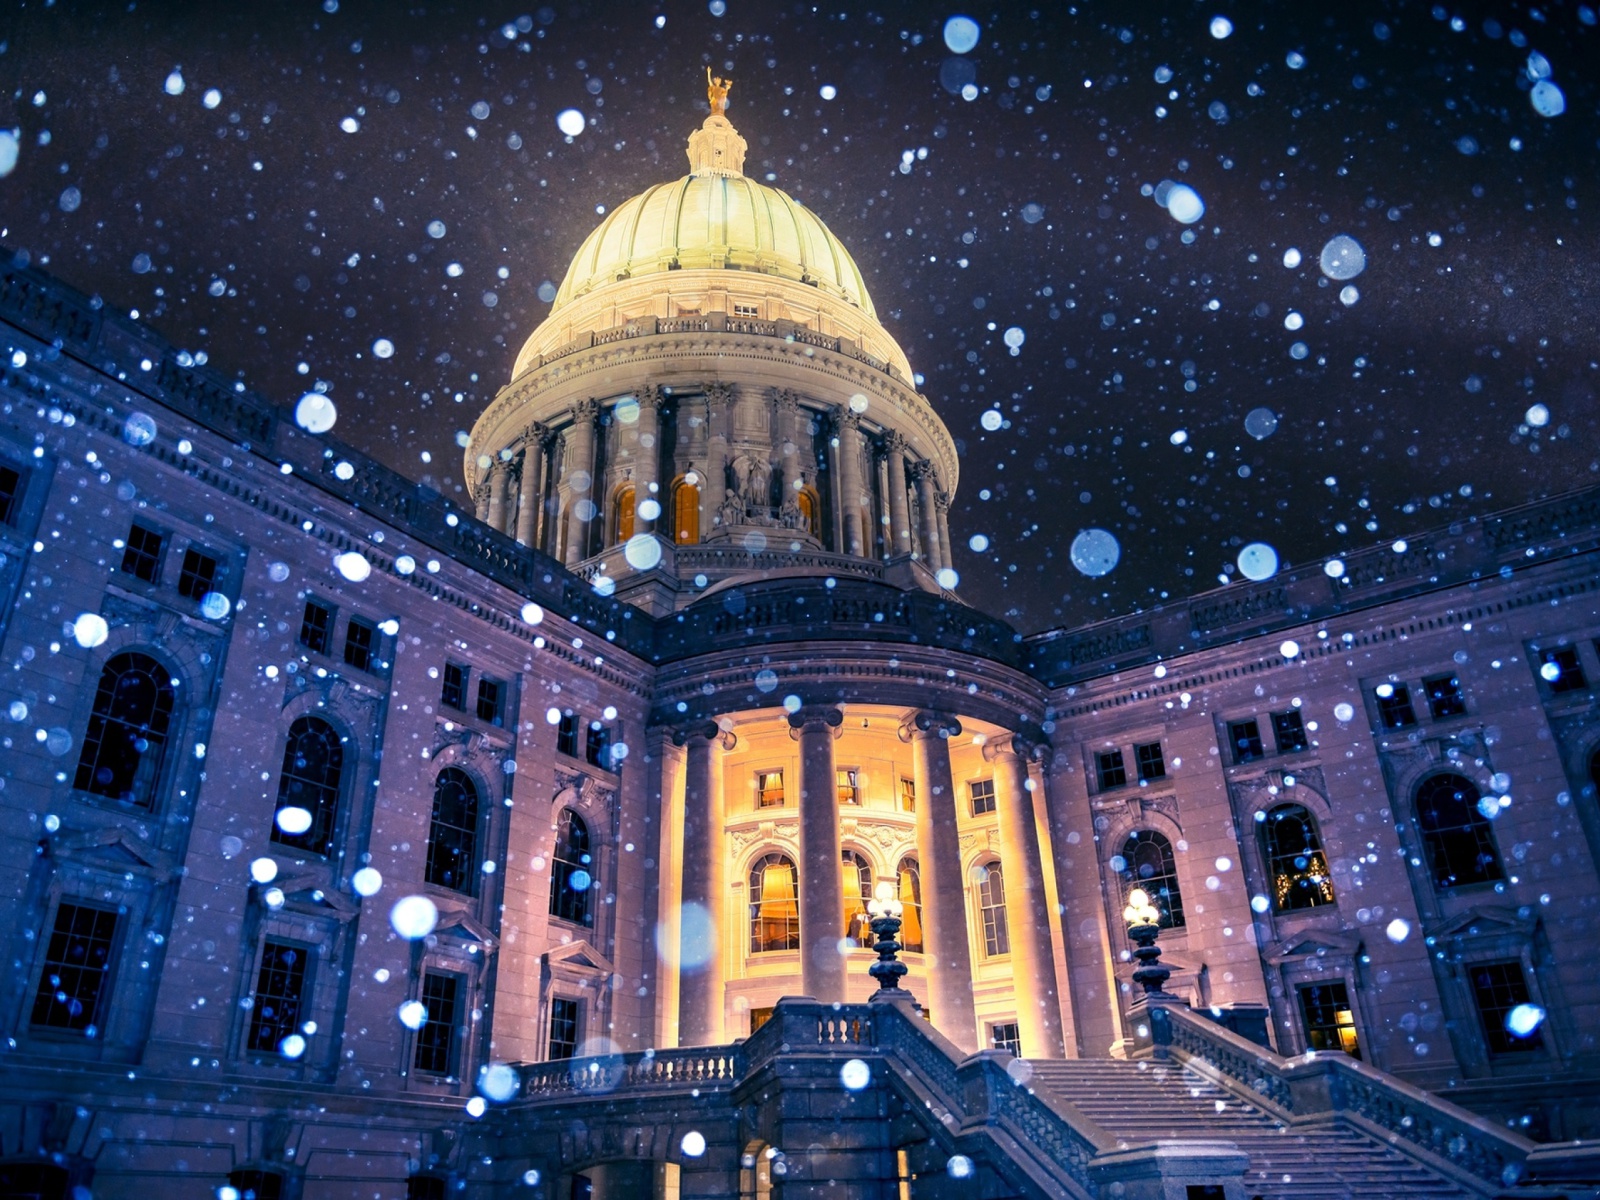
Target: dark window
[[982, 796], [10, 490], [857, 892], [1289, 731], [142, 556], [425, 1187], [360, 639], [1149, 761], [257, 1185], [564, 1017], [436, 1039], [453, 835], [76, 963], [1444, 696], [1501, 989], [1394, 706], [567, 735], [1295, 861], [849, 785], [127, 735], [597, 746], [308, 786], [198, 575], [1455, 833], [1147, 863], [1006, 1036], [1245, 738], [1561, 670], [1109, 765], [316, 627], [769, 789], [33, 1181], [492, 702], [909, 878], [1330, 1023], [572, 876], [908, 794], [280, 984], [774, 905], [454, 694], [992, 907]]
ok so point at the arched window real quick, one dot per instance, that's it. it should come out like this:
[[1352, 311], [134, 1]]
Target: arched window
[[909, 875], [685, 513], [572, 878], [308, 786], [806, 498], [453, 835], [127, 734], [1147, 863], [1295, 861], [857, 891], [622, 515], [774, 905], [1455, 833], [992, 908]]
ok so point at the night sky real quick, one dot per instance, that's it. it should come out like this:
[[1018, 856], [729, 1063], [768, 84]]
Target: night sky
[[262, 183]]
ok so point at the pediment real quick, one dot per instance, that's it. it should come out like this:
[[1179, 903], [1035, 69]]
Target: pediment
[[1485, 921], [111, 848], [1313, 943], [461, 925], [580, 955]]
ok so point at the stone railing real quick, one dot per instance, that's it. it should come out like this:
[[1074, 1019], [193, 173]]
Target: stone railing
[[1328, 1085], [690, 1067]]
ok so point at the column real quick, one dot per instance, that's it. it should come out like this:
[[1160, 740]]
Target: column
[[786, 412], [578, 486], [480, 495], [883, 523], [850, 485], [899, 516], [719, 399], [647, 460], [499, 478], [944, 895], [922, 474], [821, 896], [1027, 912], [532, 485], [941, 503], [704, 887]]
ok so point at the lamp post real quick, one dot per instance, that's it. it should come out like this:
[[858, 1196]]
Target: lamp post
[[1143, 927], [885, 910]]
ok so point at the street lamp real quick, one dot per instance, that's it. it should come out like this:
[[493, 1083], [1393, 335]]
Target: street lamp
[[885, 909], [1144, 925]]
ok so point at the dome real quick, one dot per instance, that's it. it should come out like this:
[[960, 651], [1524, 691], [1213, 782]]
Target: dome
[[715, 217]]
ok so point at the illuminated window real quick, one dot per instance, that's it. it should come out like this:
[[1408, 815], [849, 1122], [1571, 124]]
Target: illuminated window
[[857, 891], [1330, 1023], [849, 785], [1295, 861], [769, 789], [685, 513], [774, 905], [622, 505], [992, 908], [908, 795], [909, 876], [807, 499], [1147, 863], [1455, 833]]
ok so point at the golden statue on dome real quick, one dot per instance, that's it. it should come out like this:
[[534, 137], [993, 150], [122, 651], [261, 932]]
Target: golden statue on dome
[[717, 93]]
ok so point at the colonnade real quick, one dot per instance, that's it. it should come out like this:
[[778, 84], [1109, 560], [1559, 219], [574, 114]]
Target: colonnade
[[946, 939]]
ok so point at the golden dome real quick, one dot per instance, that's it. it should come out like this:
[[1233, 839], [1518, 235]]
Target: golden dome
[[715, 217]]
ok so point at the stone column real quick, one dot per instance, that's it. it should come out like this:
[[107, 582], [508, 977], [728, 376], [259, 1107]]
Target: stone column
[[899, 514], [944, 895], [786, 411], [1027, 911], [700, 974], [821, 896], [941, 503], [480, 496], [532, 485], [578, 485], [499, 479], [922, 475], [850, 482], [719, 400], [646, 473]]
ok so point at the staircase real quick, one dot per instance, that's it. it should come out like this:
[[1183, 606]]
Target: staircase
[[1140, 1101]]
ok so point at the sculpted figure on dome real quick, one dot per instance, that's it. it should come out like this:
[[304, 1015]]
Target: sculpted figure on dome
[[717, 93], [791, 516], [757, 477], [731, 511]]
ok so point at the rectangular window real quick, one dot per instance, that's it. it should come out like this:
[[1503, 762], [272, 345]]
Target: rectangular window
[[280, 984], [1501, 991], [492, 702], [1289, 731], [360, 640], [908, 795], [141, 558], [769, 789], [849, 785], [1330, 1022], [1445, 698], [1394, 706], [316, 627], [454, 693], [436, 1039], [759, 1017], [198, 575], [982, 796], [597, 746], [76, 964], [564, 1017], [1561, 670], [746, 310], [1108, 764], [1149, 760], [567, 734], [426, 1187], [1006, 1035], [1245, 737], [263, 1185], [10, 492]]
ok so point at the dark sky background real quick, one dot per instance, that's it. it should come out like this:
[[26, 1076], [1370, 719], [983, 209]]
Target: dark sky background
[[249, 224]]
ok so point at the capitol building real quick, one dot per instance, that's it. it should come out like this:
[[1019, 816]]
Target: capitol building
[[360, 844]]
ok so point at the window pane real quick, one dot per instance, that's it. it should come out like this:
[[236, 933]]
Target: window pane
[[491, 701], [1295, 861], [360, 640], [141, 556], [76, 963], [1289, 731], [453, 835], [1444, 696], [126, 739], [436, 1040], [1147, 863], [313, 763], [857, 880], [982, 796], [1109, 766], [1455, 834], [10, 489], [774, 905], [908, 795], [1499, 988], [572, 873], [1330, 1024], [1245, 737], [1150, 761], [910, 895], [1394, 706], [1561, 670], [1006, 1036], [316, 627], [454, 693], [280, 982], [992, 904], [769, 789], [198, 575], [564, 1017]]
